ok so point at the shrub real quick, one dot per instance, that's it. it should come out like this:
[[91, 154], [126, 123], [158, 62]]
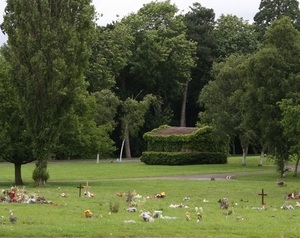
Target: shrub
[[114, 207], [183, 158]]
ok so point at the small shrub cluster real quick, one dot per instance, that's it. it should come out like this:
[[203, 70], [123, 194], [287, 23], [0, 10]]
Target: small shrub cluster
[[114, 207]]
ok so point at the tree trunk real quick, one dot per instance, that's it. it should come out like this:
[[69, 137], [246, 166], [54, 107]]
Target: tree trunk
[[296, 166], [183, 106], [121, 151], [233, 147], [127, 146], [18, 174], [261, 157], [245, 152]]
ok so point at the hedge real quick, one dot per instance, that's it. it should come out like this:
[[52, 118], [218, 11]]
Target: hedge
[[183, 158]]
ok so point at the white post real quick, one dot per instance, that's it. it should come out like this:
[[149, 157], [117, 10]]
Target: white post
[[121, 152], [97, 158]]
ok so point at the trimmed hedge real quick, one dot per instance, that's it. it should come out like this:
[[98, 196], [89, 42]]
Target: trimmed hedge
[[199, 146], [183, 158]]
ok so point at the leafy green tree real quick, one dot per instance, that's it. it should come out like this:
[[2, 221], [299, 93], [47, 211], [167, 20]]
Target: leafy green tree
[[270, 10], [200, 23], [221, 99], [133, 118], [234, 35], [106, 108], [82, 136], [271, 74], [162, 55], [111, 50], [291, 123], [15, 142], [48, 44]]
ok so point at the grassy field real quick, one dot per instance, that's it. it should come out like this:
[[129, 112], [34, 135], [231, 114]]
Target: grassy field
[[64, 217]]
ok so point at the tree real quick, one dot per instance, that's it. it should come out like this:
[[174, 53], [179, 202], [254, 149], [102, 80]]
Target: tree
[[291, 123], [270, 10], [271, 73], [15, 142], [133, 118], [111, 50], [162, 55], [234, 35], [48, 52], [200, 23], [221, 99], [84, 134]]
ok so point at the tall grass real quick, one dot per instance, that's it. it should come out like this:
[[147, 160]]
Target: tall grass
[[64, 216]]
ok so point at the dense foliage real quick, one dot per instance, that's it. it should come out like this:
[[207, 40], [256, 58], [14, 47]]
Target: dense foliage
[[197, 147]]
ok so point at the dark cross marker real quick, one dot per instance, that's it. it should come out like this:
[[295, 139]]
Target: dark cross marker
[[262, 194], [80, 187]]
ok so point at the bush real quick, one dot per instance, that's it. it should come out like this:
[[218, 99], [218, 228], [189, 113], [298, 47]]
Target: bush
[[40, 175], [114, 207], [183, 158]]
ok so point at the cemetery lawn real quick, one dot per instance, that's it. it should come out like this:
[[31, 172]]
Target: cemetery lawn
[[62, 215]]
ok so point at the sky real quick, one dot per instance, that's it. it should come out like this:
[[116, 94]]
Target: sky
[[110, 9]]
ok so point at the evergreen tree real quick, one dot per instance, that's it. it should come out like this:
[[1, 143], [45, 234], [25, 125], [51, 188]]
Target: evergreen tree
[[271, 10]]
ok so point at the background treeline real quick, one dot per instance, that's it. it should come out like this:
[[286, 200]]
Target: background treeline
[[70, 89]]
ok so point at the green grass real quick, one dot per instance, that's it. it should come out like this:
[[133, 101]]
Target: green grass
[[89, 170], [64, 217]]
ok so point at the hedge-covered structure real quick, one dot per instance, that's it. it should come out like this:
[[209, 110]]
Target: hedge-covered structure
[[168, 145]]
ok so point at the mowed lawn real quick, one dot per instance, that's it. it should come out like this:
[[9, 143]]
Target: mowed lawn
[[62, 215]]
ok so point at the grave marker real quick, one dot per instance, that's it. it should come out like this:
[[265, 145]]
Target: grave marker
[[87, 187], [262, 194], [80, 187]]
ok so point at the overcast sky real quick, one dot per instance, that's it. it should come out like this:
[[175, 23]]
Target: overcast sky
[[111, 8]]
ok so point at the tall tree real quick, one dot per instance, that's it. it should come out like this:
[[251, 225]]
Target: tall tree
[[15, 142], [111, 50], [291, 124], [221, 98], [271, 73], [48, 44], [270, 10], [162, 55], [234, 35], [200, 23]]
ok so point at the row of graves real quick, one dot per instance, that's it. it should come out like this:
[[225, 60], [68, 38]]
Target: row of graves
[[133, 200]]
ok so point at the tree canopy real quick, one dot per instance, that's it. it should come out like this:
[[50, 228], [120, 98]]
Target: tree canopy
[[270, 10], [48, 52]]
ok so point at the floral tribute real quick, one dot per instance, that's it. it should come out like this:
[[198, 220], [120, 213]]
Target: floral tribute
[[14, 194]]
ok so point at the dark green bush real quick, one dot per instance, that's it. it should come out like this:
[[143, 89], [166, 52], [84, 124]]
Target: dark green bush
[[183, 158]]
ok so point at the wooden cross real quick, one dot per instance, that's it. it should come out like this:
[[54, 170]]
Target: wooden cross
[[87, 187], [80, 187], [262, 194]]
